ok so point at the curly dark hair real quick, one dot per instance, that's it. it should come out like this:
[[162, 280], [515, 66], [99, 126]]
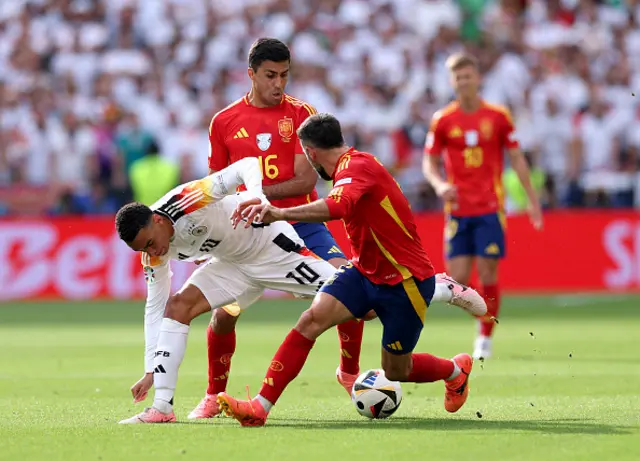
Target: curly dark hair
[[131, 218]]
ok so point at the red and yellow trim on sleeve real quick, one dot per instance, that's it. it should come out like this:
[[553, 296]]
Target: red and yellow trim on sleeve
[[193, 196]]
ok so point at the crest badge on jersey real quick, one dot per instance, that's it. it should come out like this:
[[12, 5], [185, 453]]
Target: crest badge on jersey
[[199, 231], [471, 138], [285, 128], [486, 128], [264, 141]]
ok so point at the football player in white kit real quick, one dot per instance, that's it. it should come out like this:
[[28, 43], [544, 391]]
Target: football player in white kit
[[192, 222]]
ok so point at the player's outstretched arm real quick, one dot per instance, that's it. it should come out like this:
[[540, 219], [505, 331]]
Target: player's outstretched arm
[[254, 211], [302, 183], [519, 165], [245, 171], [158, 292]]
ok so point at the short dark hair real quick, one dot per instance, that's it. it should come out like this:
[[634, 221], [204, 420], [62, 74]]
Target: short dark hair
[[130, 219], [322, 131], [268, 49]]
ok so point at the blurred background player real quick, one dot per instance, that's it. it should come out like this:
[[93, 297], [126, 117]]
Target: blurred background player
[[263, 124], [471, 136], [390, 273]]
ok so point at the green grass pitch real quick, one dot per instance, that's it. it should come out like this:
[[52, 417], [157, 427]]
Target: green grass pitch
[[564, 385]]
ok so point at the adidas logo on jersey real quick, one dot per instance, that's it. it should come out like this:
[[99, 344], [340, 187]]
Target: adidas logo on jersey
[[242, 133], [492, 249], [396, 346], [334, 249], [455, 132]]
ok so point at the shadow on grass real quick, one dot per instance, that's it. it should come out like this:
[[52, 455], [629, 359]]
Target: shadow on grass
[[446, 424], [559, 427]]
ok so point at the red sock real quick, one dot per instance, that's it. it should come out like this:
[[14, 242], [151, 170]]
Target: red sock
[[428, 368], [491, 294], [350, 334], [286, 365], [220, 349]]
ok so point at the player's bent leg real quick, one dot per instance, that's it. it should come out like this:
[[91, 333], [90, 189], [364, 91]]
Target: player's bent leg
[[221, 345], [186, 305], [456, 294], [325, 312], [318, 239], [350, 336], [181, 309], [229, 291], [490, 290]]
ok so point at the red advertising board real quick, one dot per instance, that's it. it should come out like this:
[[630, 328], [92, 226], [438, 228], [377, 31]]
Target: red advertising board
[[82, 258]]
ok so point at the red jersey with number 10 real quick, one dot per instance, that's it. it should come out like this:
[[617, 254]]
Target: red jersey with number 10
[[473, 146], [384, 241], [267, 133]]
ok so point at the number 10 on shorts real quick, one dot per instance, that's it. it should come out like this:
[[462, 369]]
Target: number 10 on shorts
[[303, 274]]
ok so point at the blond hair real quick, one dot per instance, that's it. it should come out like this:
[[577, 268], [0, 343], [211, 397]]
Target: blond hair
[[461, 60]]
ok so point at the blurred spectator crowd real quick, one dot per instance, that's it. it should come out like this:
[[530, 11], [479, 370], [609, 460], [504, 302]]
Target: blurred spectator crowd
[[104, 101]]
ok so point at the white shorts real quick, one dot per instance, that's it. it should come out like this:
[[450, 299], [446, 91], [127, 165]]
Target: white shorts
[[236, 286]]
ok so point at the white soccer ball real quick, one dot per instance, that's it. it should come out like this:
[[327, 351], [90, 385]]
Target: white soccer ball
[[374, 396]]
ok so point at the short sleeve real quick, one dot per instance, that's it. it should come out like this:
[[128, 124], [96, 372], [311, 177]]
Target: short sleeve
[[509, 136], [304, 112], [352, 180], [435, 142], [218, 153]]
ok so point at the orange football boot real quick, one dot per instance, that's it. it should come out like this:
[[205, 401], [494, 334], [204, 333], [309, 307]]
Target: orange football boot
[[247, 412], [457, 390]]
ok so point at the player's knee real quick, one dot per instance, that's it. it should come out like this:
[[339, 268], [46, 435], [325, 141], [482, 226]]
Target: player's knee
[[311, 324], [179, 309], [222, 322]]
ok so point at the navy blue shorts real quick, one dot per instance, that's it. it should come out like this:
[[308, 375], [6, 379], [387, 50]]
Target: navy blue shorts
[[317, 238], [401, 308], [475, 236]]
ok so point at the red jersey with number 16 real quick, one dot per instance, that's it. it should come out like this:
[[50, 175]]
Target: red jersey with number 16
[[384, 241], [267, 133], [473, 146]]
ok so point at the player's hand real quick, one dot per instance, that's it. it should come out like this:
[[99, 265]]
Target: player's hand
[[535, 215], [255, 210], [140, 389], [448, 192], [236, 216]]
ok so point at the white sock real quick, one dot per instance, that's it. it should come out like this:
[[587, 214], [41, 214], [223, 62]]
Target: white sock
[[442, 293], [456, 371], [172, 344], [265, 403]]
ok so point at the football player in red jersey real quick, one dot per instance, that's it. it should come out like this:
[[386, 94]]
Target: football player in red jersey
[[263, 124], [390, 273], [471, 136]]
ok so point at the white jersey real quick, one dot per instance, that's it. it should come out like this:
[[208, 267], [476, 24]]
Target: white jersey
[[243, 261]]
